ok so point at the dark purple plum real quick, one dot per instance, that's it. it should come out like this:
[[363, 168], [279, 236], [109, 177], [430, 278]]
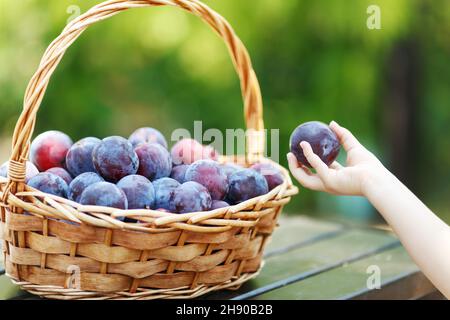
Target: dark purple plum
[[79, 157], [81, 182], [139, 191], [104, 194], [273, 175], [164, 188], [147, 135], [49, 183], [216, 204], [322, 139], [179, 173], [190, 197], [31, 170], [230, 168], [246, 184], [49, 150], [209, 174], [114, 158], [154, 161], [62, 173]]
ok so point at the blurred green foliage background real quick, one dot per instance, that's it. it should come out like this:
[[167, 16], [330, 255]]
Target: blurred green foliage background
[[316, 60]]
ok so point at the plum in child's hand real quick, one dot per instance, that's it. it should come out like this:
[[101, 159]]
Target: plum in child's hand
[[322, 139], [49, 150]]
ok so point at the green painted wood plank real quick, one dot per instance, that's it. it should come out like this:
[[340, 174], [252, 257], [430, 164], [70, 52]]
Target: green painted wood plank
[[307, 261], [347, 279], [299, 230]]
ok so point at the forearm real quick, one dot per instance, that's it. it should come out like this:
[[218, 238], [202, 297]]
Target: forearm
[[424, 235]]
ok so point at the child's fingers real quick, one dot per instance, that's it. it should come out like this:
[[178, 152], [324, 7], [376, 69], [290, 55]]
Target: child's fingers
[[314, 160], [308, 171], [346, 138], [336, 165], [303, 175], [292, 160]]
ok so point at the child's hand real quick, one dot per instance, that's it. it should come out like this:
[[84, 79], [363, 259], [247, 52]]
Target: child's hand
[[354, 179]]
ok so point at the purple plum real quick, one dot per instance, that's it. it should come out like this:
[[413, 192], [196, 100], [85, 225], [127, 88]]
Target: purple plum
[[104, 194], [139, 191], [216, 204], [179, 173], [164, 188], [154, 161], [79, 157], [273, 175], [62, 173], [114, 158], [81, 182], [246, 184], [322, 139], [230, 168], [190, 197], [147, 135], [49, 183], [209, 173]]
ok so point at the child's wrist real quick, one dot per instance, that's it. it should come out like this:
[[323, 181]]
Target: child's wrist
[[374, 179]]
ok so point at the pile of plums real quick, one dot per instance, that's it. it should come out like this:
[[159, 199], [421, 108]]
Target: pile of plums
[[141, 173]]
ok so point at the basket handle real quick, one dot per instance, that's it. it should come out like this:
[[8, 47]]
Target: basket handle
[[37, 86]]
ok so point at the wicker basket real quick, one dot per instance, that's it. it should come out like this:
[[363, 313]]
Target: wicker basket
[[59, 249]]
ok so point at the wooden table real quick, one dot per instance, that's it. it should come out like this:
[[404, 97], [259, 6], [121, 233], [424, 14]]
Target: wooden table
[[312, 259]]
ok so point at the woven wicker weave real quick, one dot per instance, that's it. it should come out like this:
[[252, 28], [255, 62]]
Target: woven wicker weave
[[59, 249]]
